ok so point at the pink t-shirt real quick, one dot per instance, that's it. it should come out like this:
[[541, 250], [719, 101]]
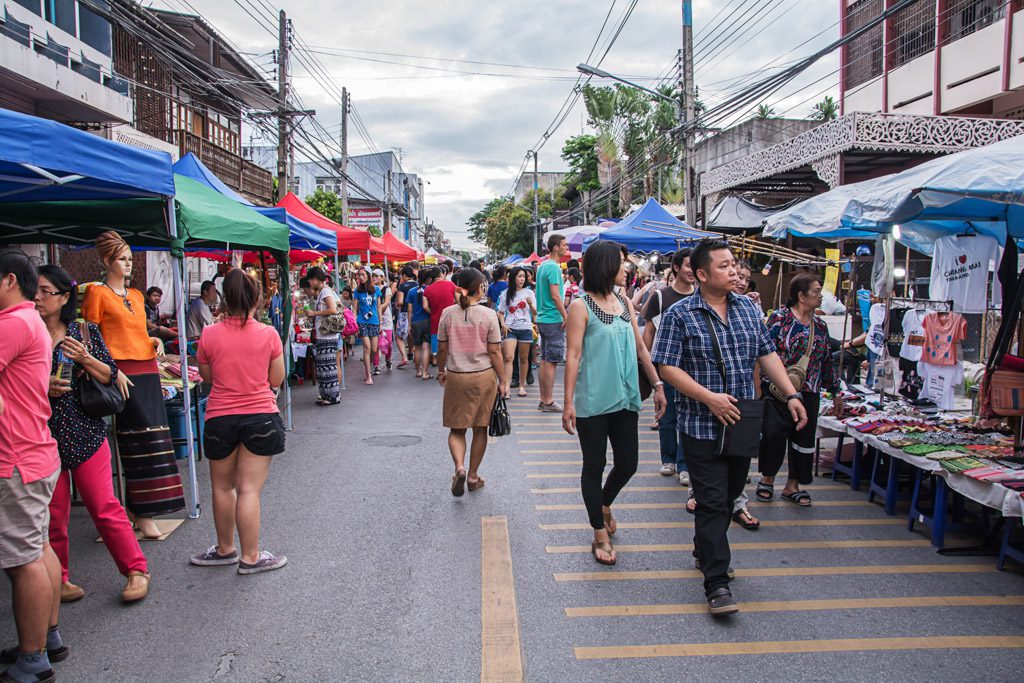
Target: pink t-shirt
[[942, 332], [468, 332], [25, 355], [239, 356]]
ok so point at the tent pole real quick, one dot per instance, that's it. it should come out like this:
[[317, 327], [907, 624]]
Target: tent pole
[[337, 282], [186, 398]]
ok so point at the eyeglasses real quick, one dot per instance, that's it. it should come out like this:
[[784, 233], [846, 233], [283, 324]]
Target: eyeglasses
[[48, 293]]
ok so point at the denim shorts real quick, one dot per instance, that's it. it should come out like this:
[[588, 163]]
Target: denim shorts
[[552, 342], [260, 433], [521, 336]]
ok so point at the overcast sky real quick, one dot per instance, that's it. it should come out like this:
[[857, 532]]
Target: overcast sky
[[466, 135]]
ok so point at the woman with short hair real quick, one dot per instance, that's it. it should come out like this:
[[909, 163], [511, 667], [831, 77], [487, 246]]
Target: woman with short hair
[[602, 387], [244, 361]]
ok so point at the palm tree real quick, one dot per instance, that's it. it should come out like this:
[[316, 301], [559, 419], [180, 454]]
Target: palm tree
[[765, 112], [826, 110]]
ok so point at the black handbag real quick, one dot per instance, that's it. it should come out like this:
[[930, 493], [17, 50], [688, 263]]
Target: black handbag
[[98, 400], [742, 439], [501, 424]]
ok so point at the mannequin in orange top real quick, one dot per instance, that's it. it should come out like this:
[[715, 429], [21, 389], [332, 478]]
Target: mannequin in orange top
[[153, 485]]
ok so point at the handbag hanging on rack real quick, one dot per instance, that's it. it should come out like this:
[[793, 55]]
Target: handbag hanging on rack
[[743, 438], [1002, 386], [97, 399]]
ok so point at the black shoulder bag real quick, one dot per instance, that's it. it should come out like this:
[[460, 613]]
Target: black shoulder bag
[[500, 424], [743, 439], [98, 400]]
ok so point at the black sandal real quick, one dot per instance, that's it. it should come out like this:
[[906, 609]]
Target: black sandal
[[765, 491], [746, 520], [798, 498]]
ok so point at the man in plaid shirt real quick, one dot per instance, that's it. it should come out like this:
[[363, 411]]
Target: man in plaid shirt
[[683, 348]]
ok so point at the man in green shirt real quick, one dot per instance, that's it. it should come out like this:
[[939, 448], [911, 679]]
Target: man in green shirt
[[551, 318]]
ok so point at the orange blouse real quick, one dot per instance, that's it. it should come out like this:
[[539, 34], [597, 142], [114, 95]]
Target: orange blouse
[[124, 331]]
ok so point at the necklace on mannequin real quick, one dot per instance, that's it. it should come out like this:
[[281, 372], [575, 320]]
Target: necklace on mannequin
[[124, 297]]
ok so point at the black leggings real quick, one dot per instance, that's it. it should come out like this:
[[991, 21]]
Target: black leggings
[[595, 432]]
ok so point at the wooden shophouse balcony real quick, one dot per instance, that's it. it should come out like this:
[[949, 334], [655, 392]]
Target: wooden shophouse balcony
[[241, 175]]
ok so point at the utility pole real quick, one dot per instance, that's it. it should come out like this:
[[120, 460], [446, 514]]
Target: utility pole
[[536, 212], [344, 156], [282, 106], [688, 111]]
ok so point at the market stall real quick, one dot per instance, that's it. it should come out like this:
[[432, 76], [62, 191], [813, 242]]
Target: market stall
[[649, 230]]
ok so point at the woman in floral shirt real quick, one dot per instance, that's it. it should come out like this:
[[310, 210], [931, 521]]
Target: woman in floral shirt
[[789, 328]]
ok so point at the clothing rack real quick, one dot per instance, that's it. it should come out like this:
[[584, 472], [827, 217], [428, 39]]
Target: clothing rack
[[903, 303]]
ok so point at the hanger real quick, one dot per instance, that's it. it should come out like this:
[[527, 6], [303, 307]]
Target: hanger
[[969, 231]]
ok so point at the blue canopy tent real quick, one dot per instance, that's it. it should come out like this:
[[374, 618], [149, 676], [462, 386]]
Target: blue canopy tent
[[301, 235], [649, 230], [512, 260], [47, 162]]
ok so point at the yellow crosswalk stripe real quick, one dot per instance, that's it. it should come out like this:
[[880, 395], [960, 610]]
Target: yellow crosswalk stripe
[[802, 646], [546, 463], [858, 570], [874, 521], [802, 605], [679, 506], [668, 489], [642, 451], [760, 545]]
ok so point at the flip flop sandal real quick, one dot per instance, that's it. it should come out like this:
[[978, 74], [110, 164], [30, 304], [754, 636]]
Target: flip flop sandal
[[606, 547], [609, 523], [765, 491], [459, 484], [798, 498], [746, 520], [478, 484]]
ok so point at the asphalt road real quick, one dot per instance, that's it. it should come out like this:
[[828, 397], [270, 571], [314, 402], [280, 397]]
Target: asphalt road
[[387, 571]]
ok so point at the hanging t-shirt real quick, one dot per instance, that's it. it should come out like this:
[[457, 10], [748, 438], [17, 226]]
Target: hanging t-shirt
[[939, 382], [876, 330], [913, 334], [366, 306], [960, 271], [943, 331], [517, 314]]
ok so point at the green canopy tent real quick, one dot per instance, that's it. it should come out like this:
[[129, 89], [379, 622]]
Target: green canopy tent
[[197, 215]]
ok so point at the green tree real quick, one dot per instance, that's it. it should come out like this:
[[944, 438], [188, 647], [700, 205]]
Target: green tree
[[826, 110], [478, 221], [580, 153], [326, 203], [510, 230], [765, 112]]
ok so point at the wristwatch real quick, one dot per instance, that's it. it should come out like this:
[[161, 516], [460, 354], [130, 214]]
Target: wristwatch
[[798, 397], [659, 383]]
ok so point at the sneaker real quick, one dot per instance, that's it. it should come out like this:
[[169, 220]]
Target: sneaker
[[667, 469], [514, 384], [10, 655], [684, 478], [266, 563], [731, 573], [376, 369], [549, 407], [721, 603], [529, 377], [211, 558]]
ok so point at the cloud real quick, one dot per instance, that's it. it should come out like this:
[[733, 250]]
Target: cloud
[[468, 134]]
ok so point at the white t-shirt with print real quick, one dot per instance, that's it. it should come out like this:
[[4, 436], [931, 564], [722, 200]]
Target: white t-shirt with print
[[913, 334], [960, 271], [517, 316]]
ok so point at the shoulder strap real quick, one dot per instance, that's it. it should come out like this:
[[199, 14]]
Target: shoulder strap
[[719, 360], [810, 337]]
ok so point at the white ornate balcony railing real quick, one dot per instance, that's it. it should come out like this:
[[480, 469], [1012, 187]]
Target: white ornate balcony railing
[[820, 147]]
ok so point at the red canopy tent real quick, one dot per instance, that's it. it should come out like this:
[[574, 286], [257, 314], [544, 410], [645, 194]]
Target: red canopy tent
[[350, 241], [397, 250]]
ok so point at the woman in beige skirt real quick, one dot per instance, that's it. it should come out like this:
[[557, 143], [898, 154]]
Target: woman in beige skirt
[[471, 370]]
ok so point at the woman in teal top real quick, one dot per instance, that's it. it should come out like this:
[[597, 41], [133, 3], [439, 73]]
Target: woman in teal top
[[602, 388]]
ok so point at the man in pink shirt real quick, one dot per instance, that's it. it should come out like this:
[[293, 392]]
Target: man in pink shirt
[[29, 467]]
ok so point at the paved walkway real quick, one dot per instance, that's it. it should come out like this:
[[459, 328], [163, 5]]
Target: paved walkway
[[390, 578]]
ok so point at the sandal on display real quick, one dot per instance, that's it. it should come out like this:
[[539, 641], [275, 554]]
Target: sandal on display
[[765, 491], [607, 549], [801, 498]]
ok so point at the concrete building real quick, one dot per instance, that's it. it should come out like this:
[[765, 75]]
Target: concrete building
[[379, 189], [547, 182]]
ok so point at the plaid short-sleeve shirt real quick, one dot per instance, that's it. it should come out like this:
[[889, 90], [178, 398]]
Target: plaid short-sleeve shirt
[[683, 341]]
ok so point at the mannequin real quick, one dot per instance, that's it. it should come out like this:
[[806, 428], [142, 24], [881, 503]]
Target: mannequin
[[153, 485]]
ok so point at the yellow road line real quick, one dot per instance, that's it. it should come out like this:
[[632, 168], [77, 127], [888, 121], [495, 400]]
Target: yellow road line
[[576, 475], [859, 570], [501, 652], [642, 451], [874, 521], [546, 463], [760, 545], [679, 506], [801, 605], [663, 489], [802, 646]]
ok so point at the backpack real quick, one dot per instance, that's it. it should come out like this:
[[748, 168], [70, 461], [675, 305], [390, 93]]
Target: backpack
[[351, 326]]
